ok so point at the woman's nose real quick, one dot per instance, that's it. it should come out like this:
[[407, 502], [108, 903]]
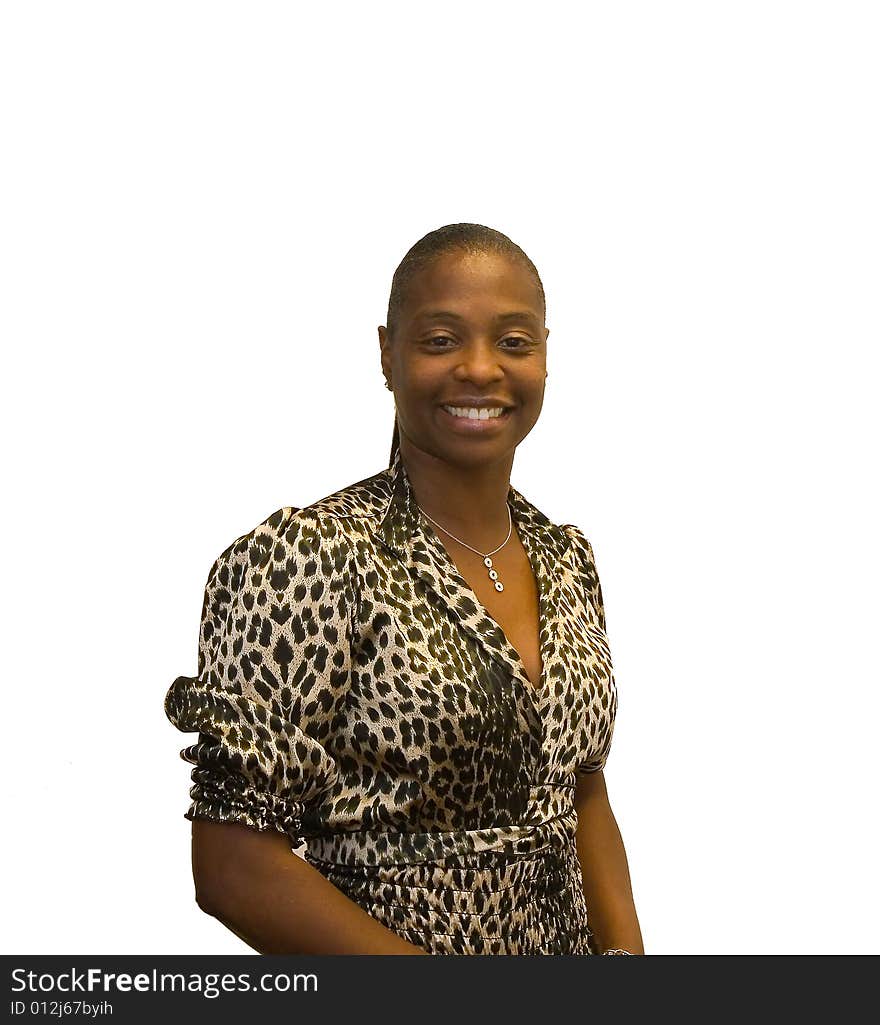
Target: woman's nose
[[479, 363]]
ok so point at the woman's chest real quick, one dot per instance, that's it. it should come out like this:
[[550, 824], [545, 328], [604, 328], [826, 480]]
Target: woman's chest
[[515, 609], [440, 611], [471, 687]]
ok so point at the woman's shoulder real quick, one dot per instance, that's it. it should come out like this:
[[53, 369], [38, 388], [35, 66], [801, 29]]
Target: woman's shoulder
[[363, 500], [579, 540], [292, 529], [587, 572]]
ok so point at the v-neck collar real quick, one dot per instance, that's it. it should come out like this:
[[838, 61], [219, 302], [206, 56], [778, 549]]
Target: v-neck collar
[[405, 530]]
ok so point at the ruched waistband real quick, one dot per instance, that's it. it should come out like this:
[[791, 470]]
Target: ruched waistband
[[382, 847], [485, 902], [476, 885]]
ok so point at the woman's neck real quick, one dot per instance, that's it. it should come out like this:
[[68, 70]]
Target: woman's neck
[[470, 502]]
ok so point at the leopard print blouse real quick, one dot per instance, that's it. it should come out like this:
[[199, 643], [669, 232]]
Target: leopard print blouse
[[353, 694]]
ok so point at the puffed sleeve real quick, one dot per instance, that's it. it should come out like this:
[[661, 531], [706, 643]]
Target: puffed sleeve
[[599, 684], [273, 662]]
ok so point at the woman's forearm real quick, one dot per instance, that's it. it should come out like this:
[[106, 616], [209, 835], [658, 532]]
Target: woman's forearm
[[607, 885], [278, 903]]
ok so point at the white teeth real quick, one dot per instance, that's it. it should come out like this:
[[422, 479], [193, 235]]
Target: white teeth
[[471, 413]]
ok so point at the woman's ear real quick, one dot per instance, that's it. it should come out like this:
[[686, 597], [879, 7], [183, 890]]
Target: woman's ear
[[385, 350]]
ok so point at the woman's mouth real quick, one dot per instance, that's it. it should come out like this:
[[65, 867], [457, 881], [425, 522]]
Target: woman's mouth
[[470, 419]]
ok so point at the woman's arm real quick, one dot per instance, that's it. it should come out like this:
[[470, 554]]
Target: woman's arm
[[607, 887], [275, 901]]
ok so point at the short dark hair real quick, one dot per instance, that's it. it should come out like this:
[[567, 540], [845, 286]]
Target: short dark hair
[[466, 238]]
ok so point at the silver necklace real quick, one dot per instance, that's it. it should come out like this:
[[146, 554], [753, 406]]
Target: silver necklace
[[487, 561]]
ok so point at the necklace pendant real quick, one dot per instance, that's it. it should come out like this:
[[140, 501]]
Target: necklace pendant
[[493, 574]]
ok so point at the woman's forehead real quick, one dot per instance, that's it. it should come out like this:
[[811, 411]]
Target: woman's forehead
[[461, 282]]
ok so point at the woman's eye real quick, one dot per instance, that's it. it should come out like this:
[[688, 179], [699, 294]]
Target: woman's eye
[[436, 341]]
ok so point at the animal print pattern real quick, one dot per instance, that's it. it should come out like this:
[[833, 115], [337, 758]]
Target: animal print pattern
[[353, 694]]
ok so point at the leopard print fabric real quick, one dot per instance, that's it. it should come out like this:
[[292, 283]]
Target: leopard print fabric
[[353, 694]]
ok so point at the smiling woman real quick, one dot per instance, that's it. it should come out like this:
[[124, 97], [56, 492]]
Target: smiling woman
[[411, 676], [466, 334]]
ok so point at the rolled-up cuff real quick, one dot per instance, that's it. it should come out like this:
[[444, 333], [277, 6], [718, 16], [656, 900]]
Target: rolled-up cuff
[[250, 765], [223, 798]]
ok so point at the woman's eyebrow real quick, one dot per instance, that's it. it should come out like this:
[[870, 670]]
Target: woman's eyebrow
[[449, 315]]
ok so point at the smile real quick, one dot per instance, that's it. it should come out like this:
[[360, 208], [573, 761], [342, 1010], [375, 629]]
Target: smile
[[471, 413], [470, 420]]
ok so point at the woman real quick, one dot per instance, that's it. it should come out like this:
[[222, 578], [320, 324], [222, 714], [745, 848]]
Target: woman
[[411, 676]]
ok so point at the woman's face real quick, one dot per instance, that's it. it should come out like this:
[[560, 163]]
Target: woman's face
[[471, 333]]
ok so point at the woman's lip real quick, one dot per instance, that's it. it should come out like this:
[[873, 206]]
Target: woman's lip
[[471, 424]]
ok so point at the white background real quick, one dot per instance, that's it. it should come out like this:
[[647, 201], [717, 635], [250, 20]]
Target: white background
[[202, 208]]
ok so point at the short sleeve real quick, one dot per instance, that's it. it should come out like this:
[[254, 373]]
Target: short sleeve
[[600, 686], [273, 662]]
